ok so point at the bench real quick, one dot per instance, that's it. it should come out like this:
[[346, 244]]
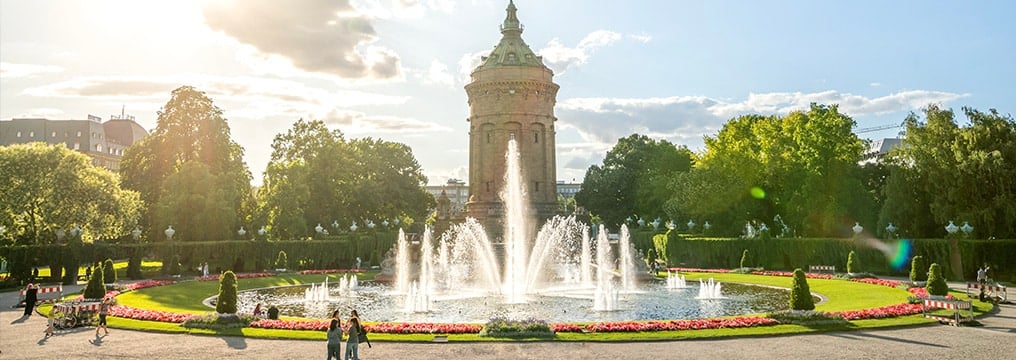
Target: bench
[[821, 268], [998, 291], [45, 293], [957, 306]]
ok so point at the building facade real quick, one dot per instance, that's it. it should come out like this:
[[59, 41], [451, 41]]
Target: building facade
[[104, 142], [511, 95]]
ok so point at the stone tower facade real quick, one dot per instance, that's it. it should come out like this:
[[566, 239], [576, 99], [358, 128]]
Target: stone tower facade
[[511, 94]]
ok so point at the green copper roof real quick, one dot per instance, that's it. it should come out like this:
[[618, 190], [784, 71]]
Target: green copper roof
[[512, 50]]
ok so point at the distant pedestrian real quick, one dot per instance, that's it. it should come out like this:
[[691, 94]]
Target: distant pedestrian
[[204, 269], [273, 312], [358, 263], [31, 296], [334, 340], [50, 326], [103, 310], [353, 339], [257, 311]]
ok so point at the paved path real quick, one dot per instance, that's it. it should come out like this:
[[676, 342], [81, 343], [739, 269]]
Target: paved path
[[22, 338]]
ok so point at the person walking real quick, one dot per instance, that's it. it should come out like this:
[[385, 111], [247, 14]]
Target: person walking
[[103, 310], [31, 296], [334, 340], [353, 339]]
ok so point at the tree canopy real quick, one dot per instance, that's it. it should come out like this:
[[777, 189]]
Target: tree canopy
[[190, 129], [49, 190]]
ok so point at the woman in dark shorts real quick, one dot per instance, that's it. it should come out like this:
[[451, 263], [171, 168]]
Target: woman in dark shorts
[[103, 309]]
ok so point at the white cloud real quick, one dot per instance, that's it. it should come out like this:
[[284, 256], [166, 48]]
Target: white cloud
[[12, 70], [469, 62], [45, 113], [642, 38], [560, 58], [441, 176], [320, 36], [686, 119], [875, 84], [355, 123], [438, 74]]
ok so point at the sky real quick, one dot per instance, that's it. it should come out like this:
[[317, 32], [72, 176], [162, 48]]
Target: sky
[[395, 70]]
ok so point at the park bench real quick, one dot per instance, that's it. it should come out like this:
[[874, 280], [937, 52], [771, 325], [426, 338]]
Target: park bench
[[45, 293], [995, 291], [822, 268], [957, 308]]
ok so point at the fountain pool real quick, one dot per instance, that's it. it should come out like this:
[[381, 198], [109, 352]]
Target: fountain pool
[[653, 301]]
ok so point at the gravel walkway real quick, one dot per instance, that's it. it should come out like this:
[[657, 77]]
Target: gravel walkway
[[22, 338]]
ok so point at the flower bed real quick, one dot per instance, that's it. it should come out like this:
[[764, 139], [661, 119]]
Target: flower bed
[[238, 276], [290, 324], [881, 312], [150, 315], [146, 284], [329, 271], [883, 282], [681, 269], [672, 325], [423, 328], [790, 274]]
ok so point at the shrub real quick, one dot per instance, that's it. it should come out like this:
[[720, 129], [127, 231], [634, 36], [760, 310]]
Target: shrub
[[174, 265], [918, 272], [219, 321], [852, 263], [800, 295], [108, 272], [226, 302], [744, 258], [936, 282], [806, 317], [282, 261], [95, 288], [503, 327]]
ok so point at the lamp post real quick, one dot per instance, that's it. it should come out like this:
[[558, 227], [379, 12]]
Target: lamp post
[[169, 233], [954, 250], [136, 234]]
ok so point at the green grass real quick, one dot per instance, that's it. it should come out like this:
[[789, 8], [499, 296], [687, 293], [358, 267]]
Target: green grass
[[187, 296]]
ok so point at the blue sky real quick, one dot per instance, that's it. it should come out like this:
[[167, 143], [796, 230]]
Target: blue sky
[[395, 70]]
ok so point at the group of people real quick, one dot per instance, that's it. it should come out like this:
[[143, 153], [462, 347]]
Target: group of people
[[355, 334]]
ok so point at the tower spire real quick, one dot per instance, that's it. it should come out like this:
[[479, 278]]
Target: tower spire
[[511, 22]]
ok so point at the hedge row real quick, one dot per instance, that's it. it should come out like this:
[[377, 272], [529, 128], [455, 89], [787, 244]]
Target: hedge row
[[790, 253]]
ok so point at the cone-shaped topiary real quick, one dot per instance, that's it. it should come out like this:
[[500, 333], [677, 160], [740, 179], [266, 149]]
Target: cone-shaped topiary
[[744, 258], [282, 262], [918, 272], [226, 302], [95, 289], [108, 272], [852, 264], [800, 294], [936, 283], [174, 265]]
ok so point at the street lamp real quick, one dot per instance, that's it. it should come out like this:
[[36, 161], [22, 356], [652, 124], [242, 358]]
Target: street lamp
[[136, 233], [951, 228], [169, 233]]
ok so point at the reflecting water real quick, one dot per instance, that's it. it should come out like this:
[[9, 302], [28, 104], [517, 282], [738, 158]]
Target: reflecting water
[[653, 302]]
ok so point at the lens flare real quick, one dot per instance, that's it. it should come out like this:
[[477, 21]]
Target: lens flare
[[758, 193], [898, 254]]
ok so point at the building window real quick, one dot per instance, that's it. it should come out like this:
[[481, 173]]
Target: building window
[[488, 137], [19, 134], [536, 137], [536, 186], [77, 146], [79, 134], [98, 147], [488, 186], [31, 134], [53, 135]]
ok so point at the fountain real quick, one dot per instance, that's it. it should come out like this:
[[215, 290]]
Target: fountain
[[676, 281], [320, 293], [709, 290]]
